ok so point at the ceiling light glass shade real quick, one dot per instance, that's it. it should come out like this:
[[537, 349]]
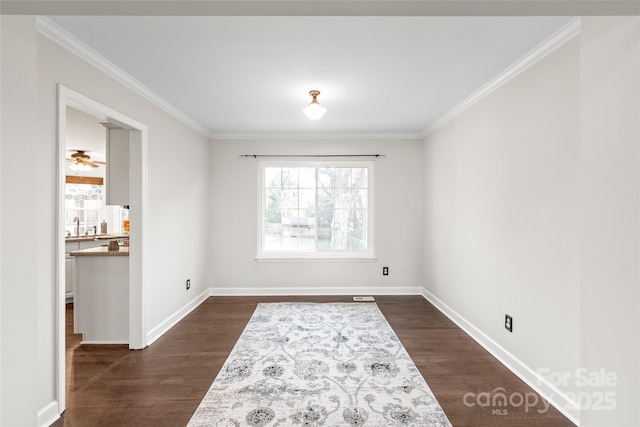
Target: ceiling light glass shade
[[80, 167], [314, 111]]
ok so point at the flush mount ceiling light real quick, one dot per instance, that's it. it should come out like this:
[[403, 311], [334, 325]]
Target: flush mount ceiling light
[[314, 111]]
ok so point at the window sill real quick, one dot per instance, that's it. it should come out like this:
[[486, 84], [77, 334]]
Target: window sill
[[314, 258]]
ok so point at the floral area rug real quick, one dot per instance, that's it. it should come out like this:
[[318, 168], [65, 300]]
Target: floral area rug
[[319, 364]]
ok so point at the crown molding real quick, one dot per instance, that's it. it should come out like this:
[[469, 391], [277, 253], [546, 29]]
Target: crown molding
[[559, 38], [323, 7], [67, 41], [270, 136]]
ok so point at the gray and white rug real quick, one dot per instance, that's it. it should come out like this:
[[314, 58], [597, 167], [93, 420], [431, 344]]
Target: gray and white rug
[[309, 364]]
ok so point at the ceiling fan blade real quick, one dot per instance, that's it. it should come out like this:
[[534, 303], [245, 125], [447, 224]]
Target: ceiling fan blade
[[90, 163]]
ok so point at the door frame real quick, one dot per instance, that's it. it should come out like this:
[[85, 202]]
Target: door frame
[[138, 189]]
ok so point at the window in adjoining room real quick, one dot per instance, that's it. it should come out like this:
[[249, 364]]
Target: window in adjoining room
[[315, 209]]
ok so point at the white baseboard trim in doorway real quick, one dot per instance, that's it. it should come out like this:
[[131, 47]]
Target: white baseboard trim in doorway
[[557, 398], [315, 290], [172, 320], [48, 414]]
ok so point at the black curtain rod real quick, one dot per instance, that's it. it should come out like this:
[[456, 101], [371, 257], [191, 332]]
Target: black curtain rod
[[312, 155]]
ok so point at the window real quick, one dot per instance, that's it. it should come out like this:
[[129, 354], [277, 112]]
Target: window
[[319, 209], [85, 202], [82, 201]]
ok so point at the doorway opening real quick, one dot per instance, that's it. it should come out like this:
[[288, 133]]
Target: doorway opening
[[89, 219]]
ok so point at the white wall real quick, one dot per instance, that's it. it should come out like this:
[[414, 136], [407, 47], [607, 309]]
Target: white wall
[[502, 215], [533, 208], [20, 228], [610, 211], [398, 223], [178, 203]]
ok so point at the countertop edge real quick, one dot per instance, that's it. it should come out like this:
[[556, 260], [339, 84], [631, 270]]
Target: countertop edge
[[101, 251], [93, 237]]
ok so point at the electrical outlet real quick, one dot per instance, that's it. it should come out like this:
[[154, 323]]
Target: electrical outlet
[[188, 284], [508, 323], [385, 271]]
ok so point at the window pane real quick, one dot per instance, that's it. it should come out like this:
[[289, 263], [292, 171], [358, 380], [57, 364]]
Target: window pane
[[289, 213], [289, 239], [273, 177], [343, 198], [91, 216], [290, 199], [339, 240], [273, 199], [307, 178], [289, 177], [315, 208], [325, 177], [92, 203], [70, 215], [324, 239], [359, 177], [325, 196], [360, 199], [272, 243], [307, 202], [272, 216], [325, 217], [342, 178], [341, 219], [359, 220]]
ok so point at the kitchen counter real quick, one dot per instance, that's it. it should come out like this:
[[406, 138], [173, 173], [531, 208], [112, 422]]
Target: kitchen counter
[[101, 295], [90, 237], [101, 251], [111, 236], [79, 238]]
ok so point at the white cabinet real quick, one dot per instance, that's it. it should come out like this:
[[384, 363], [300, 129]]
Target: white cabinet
[[117, 167], [69, 277], [69, 265], [69, 269], [101, 311]]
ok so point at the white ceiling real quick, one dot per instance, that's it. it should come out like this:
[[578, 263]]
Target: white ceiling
[[84, 132], [250, 76]]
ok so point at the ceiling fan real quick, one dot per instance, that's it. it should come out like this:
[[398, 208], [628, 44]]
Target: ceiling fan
[[82, 161]]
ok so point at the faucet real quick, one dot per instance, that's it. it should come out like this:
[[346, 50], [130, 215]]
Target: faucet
[[77, 221]]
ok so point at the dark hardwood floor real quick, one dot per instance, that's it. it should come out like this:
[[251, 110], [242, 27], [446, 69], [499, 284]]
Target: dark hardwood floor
[[163, 384]]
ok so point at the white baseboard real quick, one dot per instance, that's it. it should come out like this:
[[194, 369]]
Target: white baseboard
[[317, 290], [557, 398], [124, 342], [49, 414], [172, 320]]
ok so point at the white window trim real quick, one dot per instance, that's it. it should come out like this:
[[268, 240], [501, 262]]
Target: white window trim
[[316, 256]]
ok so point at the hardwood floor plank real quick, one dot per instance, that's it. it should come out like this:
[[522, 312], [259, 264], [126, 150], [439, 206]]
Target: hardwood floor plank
[[163, 384]]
